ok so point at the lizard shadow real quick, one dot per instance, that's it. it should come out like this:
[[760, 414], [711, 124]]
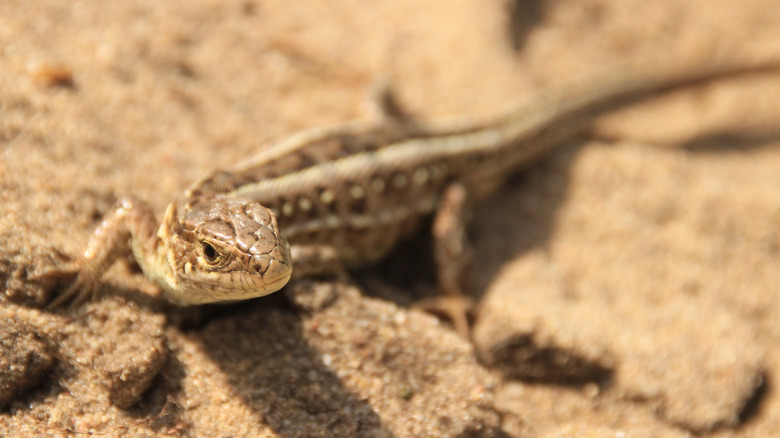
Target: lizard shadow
[[262, 350], [272, 371], [521, 216]]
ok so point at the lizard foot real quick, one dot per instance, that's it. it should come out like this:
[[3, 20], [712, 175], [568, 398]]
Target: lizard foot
[[80, 286], [453, 308]]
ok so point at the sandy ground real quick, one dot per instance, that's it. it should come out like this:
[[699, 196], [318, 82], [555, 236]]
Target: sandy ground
[[626, 286]]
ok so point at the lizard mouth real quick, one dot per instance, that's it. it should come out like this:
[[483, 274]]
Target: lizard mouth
[[275, 276]]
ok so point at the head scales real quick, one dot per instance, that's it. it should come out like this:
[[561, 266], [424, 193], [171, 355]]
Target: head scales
[[225, 248]]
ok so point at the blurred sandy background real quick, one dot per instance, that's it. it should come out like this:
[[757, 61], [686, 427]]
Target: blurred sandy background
[[628, 285]]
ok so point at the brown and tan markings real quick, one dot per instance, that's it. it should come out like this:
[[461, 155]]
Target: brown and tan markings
[[336, 198]]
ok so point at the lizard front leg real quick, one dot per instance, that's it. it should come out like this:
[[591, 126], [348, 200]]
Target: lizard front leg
[[131, 218]]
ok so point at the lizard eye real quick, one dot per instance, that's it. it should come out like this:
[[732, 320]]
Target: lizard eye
[[210, 253]]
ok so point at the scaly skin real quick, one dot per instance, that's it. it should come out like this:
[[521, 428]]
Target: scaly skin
[[343, 197]]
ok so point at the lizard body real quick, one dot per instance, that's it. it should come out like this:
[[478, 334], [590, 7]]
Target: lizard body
[[342, 197]]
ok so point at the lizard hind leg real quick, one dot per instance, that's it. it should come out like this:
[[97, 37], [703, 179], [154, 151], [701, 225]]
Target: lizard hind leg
[[385, 109], [452, 256]]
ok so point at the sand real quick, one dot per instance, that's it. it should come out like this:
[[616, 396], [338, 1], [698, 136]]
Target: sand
[[625, 286]]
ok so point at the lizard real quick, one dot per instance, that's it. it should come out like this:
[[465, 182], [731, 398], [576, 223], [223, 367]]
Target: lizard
[[337, 198]]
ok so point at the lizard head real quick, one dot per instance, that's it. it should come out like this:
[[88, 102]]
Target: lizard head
[[225, 249]]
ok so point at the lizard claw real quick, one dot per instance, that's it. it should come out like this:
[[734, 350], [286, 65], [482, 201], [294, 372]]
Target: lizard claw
[[77, 293], [81, 286]]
